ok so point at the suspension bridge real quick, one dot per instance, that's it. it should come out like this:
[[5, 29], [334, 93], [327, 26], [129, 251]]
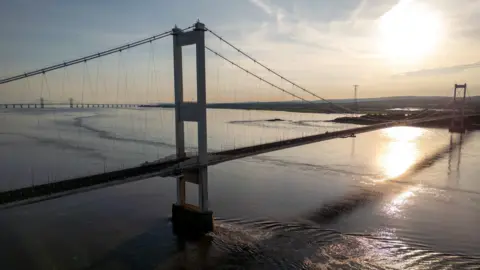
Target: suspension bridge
[[193, 168]]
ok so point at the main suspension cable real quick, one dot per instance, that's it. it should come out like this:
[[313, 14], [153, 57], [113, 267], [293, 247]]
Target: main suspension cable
[[258, 77], [89, 57], [277, 74]]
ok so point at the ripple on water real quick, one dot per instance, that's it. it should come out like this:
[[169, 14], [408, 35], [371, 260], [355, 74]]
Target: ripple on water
[[266, 244]]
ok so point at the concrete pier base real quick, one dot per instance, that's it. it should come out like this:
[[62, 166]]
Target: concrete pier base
[[189, 222]]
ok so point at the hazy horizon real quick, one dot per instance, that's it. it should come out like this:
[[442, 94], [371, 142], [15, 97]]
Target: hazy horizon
[[390, 48]]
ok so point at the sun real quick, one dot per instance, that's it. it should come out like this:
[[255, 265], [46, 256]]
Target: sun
[[409, 31]]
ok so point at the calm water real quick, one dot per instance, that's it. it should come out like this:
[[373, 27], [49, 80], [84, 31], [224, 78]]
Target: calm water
[[399, 198]]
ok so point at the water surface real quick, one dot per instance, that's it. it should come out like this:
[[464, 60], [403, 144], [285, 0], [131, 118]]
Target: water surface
[[399, 198]]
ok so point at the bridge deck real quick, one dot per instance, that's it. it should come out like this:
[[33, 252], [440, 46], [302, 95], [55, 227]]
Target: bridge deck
[[173, 167], [73, 105]]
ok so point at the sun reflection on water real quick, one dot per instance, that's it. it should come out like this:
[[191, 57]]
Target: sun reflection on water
[[399, 155], [394, 208], [403, 133], [401, 151]]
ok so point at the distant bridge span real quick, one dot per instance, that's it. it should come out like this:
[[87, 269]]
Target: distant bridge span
[[77, 105]]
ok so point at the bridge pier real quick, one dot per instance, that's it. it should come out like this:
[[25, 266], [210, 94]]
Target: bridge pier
[[189, 220]]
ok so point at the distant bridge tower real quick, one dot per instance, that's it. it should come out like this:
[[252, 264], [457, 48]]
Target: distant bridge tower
[[189, 219], [42, 103], [458, 119], [70, 100]]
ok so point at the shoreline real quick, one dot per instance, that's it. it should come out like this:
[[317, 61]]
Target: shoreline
[[365, 118]]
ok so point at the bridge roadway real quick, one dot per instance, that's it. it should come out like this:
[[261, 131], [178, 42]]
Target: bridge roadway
[[46, 105], [175, 166]]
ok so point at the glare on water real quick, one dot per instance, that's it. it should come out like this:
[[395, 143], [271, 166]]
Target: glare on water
[[401, 151], [394, 208]]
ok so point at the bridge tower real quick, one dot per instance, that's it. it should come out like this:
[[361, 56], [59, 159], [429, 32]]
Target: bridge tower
[[458, 120], [190, 220]]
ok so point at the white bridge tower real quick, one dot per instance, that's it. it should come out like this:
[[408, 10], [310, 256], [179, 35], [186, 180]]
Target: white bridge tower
[[190, 219]]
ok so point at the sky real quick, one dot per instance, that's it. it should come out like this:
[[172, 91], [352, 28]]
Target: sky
[[388, 47]]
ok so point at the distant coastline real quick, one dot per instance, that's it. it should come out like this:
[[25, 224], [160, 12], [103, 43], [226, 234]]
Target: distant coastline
[[366, 105], [382, 109]]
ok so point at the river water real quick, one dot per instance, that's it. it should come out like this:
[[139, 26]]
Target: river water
[[398, 198]]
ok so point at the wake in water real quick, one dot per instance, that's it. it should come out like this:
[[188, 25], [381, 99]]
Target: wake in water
[[307, 244], [313, 167], [60, 144], [78, 122], [266, 244], [286, 124]]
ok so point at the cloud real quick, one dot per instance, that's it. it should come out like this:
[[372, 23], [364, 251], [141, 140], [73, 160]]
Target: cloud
[[357, 11], [271, 10], [441, 70], [263, 6], [347, 30]]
